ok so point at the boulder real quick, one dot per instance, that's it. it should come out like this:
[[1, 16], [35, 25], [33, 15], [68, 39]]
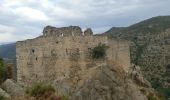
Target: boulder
[[4, 94], [12, 88], [138, 77]]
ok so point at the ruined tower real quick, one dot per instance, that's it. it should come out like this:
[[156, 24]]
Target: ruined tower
[[61, 53]]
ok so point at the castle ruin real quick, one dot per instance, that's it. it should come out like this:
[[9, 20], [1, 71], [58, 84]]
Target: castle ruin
[[62, 53]]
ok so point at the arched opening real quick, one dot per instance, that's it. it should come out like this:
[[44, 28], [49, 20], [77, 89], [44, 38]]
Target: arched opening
[[33, 51]]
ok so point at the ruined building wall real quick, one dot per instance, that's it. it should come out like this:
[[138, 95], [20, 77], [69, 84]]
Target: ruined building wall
[[59, 54]]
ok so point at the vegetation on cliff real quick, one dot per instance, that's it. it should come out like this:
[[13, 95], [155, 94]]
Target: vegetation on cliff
[[43, 91], [148, 49], [99, 51], [2, 71], [2, 97], [153, 25]]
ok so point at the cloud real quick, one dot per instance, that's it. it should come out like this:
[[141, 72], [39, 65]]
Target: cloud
[[5, 37], [9, 34], [21, 19], [6, 29], [33, 14], [9, 37]]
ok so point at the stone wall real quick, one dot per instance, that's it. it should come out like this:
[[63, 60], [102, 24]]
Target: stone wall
[[64, 53], [64, 31]]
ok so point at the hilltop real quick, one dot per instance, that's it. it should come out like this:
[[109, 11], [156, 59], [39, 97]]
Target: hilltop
[[153, 25]]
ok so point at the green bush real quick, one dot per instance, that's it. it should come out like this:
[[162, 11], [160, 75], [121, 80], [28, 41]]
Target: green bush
[[156, 83], [151, 97], [2, 97], [165, 91], [99, 51], [143, 91], [39, 89]]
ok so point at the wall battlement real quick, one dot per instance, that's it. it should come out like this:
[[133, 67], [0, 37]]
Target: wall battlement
[[66, 31], [53, 57]]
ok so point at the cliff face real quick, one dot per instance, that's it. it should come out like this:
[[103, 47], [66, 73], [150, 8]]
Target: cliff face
[[110, 82]]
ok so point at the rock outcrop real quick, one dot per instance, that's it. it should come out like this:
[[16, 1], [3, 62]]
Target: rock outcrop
[[4, 94], [100, 82], [12, 88], [137, 76], [109, 83]]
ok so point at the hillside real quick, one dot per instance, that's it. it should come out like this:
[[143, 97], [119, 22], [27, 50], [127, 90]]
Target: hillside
[[149, 49], [152, 25], [8, 51]]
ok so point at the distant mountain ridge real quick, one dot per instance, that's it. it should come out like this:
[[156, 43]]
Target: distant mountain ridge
[[8, 51], [152, 25]]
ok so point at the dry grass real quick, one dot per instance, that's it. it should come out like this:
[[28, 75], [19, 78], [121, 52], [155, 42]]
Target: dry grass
[[41, 91]]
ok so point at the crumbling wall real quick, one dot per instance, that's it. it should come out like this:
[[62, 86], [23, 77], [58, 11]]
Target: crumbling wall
[[64, 31], [54, 58]]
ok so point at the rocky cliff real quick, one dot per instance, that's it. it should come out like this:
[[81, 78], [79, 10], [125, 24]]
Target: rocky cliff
[[110, 82], [100, 82]]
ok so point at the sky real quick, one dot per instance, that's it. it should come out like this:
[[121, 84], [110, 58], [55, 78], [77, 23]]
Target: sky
[[25, 19]]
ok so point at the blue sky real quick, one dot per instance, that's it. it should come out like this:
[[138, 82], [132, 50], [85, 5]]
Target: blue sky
[[23, 19]]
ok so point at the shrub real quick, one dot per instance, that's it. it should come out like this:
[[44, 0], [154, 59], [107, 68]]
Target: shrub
[[39, 89], [99, 51], [156, 83], [43, 91], [165, 91], [143, 91], [2, 97], [151, 97]]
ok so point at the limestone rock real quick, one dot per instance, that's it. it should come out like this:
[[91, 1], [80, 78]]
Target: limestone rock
[[12, 88], [137, 76], [88, 32], [4, 94], [109, 84]]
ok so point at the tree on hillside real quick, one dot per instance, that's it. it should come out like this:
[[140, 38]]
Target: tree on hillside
[[2, 71]]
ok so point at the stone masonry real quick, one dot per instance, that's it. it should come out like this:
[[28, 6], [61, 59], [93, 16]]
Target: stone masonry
[[63, 52]]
